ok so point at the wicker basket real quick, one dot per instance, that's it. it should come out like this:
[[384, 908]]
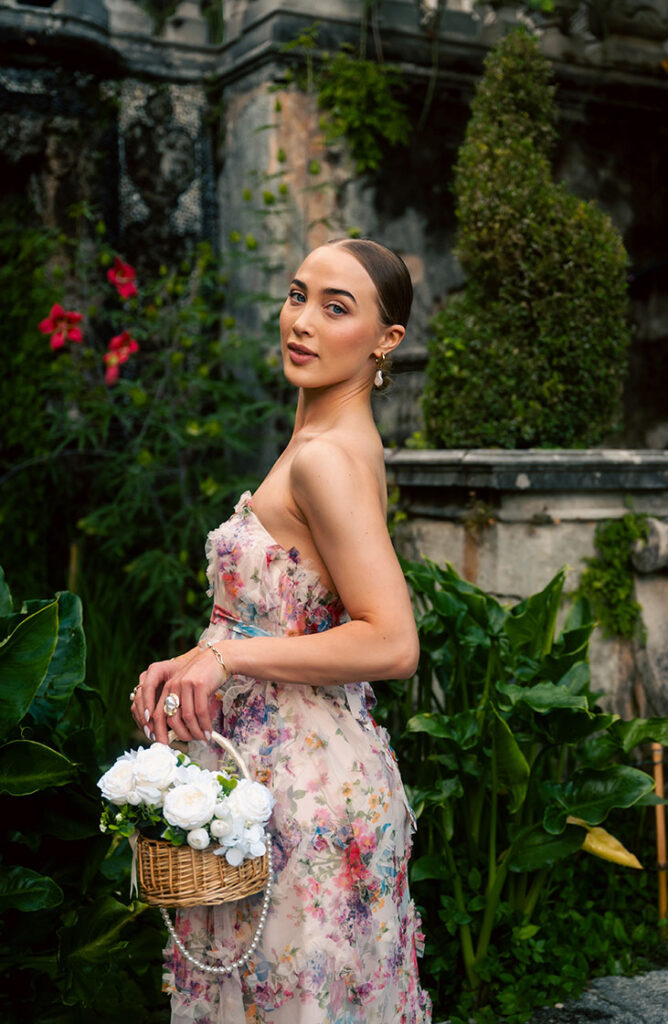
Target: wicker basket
[[178, 876]]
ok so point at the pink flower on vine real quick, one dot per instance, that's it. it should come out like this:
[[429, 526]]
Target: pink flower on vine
[[60, 324], [122, 276], [120, 349]]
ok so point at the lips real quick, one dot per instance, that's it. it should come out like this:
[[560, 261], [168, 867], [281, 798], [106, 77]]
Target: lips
[[300, 354]]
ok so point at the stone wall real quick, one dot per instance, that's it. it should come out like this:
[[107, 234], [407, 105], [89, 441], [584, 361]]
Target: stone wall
[[164, 127], [508, 521]]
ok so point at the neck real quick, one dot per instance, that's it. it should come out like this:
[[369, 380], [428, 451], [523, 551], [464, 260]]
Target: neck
[[319, 409]]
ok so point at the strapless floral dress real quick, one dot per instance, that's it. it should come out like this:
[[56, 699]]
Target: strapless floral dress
[[342, 935]]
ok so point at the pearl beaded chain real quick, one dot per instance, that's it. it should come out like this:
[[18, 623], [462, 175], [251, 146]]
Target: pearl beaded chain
[[227, 968]]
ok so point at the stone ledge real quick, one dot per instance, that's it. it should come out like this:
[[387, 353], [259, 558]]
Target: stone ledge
[[529, 471]]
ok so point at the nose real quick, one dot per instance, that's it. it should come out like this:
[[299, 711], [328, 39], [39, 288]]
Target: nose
[[303, 322]]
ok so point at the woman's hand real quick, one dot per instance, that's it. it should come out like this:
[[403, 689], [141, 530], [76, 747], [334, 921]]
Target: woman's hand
[[193, 678]]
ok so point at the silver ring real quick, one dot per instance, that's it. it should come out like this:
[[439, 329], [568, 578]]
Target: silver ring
[[172, 704]]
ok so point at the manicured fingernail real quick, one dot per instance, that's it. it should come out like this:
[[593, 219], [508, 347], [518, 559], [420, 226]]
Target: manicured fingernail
[[207, 734], [148, 732], [147, 715], [153, 736]]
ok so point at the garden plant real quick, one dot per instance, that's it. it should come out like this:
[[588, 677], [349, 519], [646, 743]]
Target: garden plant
[[512, 769], [73, 949], [132, 411], [533, 351]]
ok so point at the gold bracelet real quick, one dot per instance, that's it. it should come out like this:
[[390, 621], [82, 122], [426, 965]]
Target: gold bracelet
[[219, 658]]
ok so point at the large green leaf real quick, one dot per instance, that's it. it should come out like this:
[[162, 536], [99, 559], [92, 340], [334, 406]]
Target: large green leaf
[[530, 625], [461, 729], [6, 603], [24, 658], [26, 766], [544, 697], [591, 795], [27, 890], [67, 666], [564, 726], [88, 948], [512, 768], [640, 730], [539, 849], [432, 865]]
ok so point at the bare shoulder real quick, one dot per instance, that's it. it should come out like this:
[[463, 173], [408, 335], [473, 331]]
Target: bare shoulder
[[328, 467]]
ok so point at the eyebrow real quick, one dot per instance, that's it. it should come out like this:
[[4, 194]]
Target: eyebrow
[[326, 291]]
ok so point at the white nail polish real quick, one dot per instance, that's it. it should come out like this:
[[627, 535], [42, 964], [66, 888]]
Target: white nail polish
[[207, 735], [153, 736], [146, 715], [147, 731]]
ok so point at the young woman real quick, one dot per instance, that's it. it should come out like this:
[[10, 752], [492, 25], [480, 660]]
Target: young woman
[[308, 559]]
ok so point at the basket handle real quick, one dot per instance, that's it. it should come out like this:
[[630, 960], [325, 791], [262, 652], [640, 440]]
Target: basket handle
[[223, 742]]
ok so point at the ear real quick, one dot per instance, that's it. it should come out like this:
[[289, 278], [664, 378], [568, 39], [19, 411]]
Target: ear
[[392, 337]]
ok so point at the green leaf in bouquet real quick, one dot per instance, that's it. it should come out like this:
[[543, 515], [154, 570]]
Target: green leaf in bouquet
[[26, 766], [24, 659], [27, 890], [591, 795]]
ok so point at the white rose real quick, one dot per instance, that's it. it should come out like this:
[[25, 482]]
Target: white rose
[[192, 773], [254, 840], [190, 806], [228, 831], [117, 784], [155, 768], [251, 801], [198, 838]]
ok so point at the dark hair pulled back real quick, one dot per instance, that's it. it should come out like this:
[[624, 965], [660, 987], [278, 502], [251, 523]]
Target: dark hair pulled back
[[388, 272]]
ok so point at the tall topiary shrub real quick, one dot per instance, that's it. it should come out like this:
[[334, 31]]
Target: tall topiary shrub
[[533, 351]]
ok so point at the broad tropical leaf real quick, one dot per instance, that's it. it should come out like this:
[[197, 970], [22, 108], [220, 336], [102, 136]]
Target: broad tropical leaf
[[591, 795], [26, 766], [24, 658], [539, 849], [67, 666], [601, 844], [27, 890], [512, 768]]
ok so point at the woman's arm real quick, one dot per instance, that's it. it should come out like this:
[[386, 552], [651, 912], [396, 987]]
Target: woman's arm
[[339, 500]]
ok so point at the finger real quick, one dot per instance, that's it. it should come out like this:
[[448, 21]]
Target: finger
[[188, 713], [161, 722], [203, 712]]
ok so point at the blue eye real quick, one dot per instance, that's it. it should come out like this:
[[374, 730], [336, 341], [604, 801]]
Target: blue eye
[[296, 296], [336, 308]]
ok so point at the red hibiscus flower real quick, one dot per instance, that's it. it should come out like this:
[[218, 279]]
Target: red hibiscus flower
[[120, 349], [122, 276], [60, 325]]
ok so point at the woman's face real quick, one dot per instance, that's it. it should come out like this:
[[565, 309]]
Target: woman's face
[[330, 326]]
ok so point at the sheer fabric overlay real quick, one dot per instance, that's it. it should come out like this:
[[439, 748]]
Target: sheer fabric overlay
[[342, 936]]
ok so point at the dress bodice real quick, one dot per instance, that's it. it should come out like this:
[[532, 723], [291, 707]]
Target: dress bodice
[[263, 584]]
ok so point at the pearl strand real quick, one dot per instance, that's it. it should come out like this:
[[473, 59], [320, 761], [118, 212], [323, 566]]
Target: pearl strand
[[242, 960]]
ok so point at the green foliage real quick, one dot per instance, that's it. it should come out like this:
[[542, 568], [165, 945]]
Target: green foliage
[[70, 948], [362, 104], [533, 351], [114, 485], [504, 745], [360, 97], [607, 582]]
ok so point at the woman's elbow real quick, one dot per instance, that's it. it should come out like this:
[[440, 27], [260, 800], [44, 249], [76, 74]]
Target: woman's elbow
[[406, 657]]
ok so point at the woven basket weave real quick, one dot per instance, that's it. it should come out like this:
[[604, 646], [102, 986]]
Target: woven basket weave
[[178, 876]]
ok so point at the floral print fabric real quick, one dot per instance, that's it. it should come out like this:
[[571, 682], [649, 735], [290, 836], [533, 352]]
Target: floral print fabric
[[342, 935]]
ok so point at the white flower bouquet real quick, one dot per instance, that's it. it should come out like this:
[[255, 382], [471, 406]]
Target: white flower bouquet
[[162, 794]]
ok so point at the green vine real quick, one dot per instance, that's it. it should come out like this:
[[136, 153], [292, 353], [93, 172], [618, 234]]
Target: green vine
[[607, 582], [360, 98]]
